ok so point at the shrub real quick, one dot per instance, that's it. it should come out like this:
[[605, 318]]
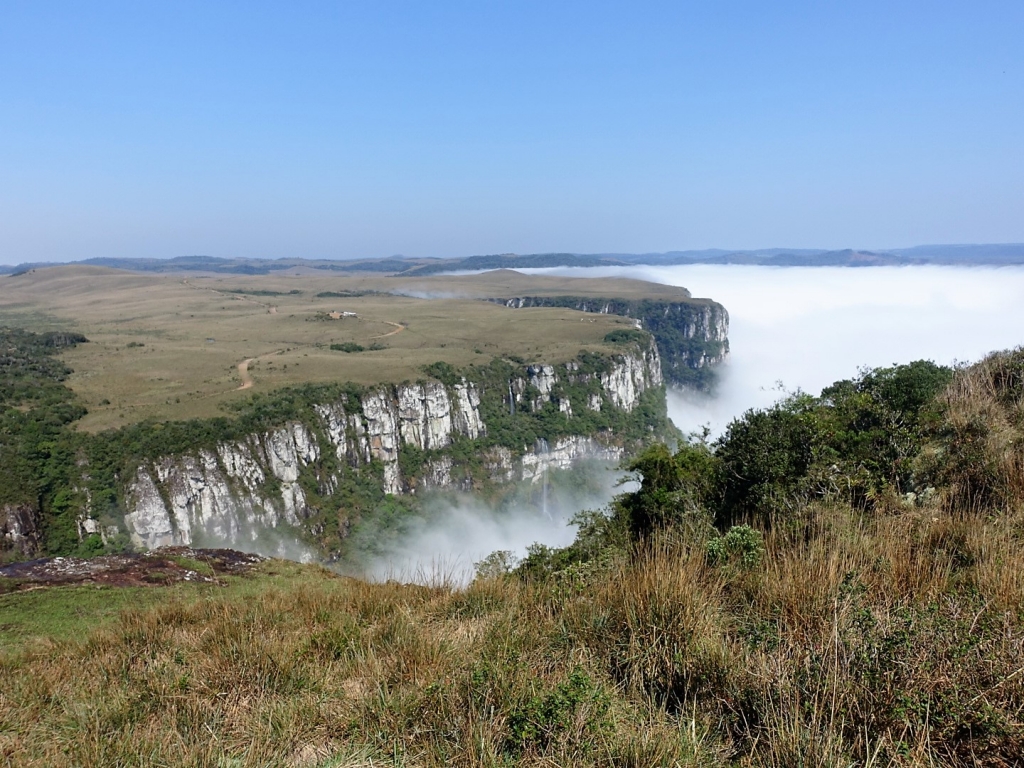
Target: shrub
[[495, 565], [741, 545], [765, 456], [348, 346], [626, 336], [680, 489], [576, 703]]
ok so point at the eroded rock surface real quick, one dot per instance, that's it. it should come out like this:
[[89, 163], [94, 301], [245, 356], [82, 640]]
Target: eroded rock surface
[[19, 528], [168, 565], [233, 493], [692, 334]]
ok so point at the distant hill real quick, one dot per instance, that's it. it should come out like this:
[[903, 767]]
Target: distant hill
[[1009, 253], [951, 255], [513, 261], [232, 266], [960, 255]]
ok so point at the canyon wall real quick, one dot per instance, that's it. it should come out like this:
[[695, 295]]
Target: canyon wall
[[692, 334], [19, 528], [496, 425]]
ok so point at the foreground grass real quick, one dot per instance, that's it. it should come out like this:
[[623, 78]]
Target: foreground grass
[[62, 613], [891, 640], [883, 631]]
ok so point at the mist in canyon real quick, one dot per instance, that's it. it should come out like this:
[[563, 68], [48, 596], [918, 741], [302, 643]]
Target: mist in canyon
[[442, 543], [790, 329]]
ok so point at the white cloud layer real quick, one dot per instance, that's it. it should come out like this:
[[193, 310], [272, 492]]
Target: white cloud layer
[[805, 328], [809, 327]]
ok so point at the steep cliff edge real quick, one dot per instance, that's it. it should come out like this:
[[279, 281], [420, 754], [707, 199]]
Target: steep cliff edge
[[19, 528], [692, 335], [339, 456]]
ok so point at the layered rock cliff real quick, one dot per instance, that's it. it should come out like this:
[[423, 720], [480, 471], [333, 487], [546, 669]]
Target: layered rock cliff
[[692, 334], [19, 528], [458, 430]]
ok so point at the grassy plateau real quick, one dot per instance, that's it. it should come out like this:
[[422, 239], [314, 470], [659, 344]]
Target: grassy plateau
[[172, 347]]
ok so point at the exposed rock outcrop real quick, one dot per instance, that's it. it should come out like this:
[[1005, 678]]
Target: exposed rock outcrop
[[232, 493], [625, 382], [692, 334], [564, 453], [19, 528]]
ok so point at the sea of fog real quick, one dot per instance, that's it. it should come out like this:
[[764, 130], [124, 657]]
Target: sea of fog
[[790, 328], [806, 327]]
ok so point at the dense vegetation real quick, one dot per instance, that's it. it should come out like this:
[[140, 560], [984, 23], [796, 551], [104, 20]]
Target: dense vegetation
[[837, 580], [260, 292], [56, 476], [348, 346], [35, 410]]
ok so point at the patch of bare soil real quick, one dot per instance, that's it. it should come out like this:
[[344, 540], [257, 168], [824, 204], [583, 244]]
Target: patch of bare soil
[[168, 565]]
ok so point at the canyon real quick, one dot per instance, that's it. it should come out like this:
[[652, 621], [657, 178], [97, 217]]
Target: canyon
[[234, 491]]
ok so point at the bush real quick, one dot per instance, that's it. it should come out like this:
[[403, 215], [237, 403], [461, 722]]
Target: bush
[[625, 336], [765, 456], [348, 346], [741, 545], [675, 489], [577, 703], [496, 565]]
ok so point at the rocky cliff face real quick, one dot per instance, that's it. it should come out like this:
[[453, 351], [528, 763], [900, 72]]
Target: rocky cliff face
[[19, 528], [234, 492], [692, 334]]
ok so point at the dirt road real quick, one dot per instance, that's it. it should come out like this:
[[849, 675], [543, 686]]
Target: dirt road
[[243, 372], [398, 329]]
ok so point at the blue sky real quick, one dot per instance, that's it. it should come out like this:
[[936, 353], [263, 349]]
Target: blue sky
[[340, 130]]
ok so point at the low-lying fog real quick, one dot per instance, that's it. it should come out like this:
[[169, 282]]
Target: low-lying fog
[[805, 328], [451, 534], [790, 328]]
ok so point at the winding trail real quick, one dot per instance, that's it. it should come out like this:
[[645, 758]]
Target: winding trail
[[243, 373], [398, 329], [243, 367]]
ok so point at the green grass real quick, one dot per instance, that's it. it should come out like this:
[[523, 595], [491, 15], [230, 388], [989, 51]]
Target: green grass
[[61, 613], [199, 566], [70, 612]]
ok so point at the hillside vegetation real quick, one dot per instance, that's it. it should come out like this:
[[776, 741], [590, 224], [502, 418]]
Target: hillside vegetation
[[64, 491], [838, 580]]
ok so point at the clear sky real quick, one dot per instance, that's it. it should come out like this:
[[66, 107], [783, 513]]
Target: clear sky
[[366, 129]]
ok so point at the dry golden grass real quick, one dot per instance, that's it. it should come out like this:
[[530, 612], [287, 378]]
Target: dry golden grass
[[328, 671], [895, 639], [981, 463], [169, 347]]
